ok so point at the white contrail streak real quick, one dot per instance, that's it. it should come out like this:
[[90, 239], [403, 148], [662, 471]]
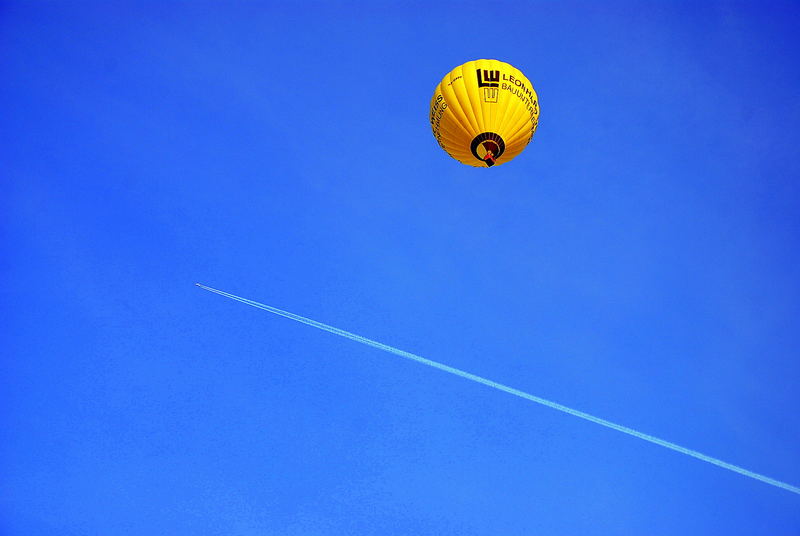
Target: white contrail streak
[[510, 390]]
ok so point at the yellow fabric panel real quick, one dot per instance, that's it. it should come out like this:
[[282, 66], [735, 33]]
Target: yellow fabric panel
[[484, 112]]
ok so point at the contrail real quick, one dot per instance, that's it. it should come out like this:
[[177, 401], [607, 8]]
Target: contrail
[[510, 390]]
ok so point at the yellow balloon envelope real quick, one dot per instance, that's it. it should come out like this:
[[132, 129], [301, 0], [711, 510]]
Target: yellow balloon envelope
[[484, 113]]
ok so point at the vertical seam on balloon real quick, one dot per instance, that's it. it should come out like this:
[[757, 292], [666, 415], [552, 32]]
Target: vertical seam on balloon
[[526, 117], [456, 141], [511, 113], [469, 112], [521, 129], [508, 112], [478, 106], [457, 103], [515, 122], [453, 115]]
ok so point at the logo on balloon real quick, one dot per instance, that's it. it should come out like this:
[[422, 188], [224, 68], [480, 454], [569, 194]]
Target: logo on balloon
[[487, 147], [490, 81], [490, 78]]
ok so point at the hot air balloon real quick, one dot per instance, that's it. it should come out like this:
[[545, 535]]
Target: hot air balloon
[[484, 113]]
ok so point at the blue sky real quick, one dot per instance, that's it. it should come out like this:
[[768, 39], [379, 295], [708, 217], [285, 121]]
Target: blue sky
[[637, 261]]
